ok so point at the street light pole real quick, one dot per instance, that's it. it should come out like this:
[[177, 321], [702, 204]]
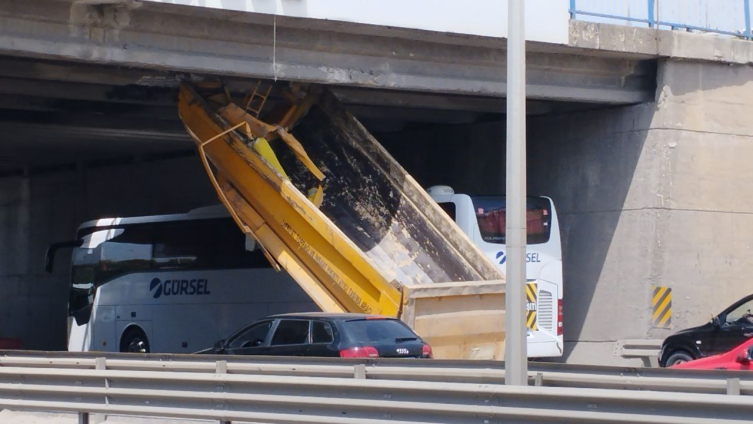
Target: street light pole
[[516, 358]]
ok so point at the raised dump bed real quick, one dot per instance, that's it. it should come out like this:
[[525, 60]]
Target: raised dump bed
[[328, 204]]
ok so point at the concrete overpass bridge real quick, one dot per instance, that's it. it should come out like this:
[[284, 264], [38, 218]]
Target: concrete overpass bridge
[[638, 134]]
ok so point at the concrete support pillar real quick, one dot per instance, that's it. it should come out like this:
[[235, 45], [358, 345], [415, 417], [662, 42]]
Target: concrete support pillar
[[651, 196]]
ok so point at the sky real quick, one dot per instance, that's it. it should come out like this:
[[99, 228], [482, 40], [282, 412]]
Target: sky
[[546, 20]]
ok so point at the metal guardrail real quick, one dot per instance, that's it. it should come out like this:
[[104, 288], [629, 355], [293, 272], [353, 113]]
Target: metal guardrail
[[322, 390], [548, 375], [226, 397], [728, 17], [541, 373]]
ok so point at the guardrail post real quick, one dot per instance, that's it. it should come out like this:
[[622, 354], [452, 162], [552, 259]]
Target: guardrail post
[[359, 371], [221, 368], [733, 386], [573, 9], [83, 418], [100, 364], [748, 34], [539, 380], [651, 19]]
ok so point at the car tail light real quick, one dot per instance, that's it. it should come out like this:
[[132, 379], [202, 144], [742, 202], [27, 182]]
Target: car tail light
[[426, 351], [559, 318], [359, 352]]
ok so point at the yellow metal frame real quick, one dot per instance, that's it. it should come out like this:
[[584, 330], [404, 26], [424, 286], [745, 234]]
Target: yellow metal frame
[[291, 229]]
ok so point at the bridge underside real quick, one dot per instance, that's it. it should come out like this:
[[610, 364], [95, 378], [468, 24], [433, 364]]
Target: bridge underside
[[56, 113], [89, 126], [185, 39], [83, 81]]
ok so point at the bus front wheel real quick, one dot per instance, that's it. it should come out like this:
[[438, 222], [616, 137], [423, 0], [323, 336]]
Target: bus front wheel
[[134, 341]]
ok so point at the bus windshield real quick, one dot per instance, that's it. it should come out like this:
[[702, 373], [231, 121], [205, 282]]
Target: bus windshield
[[491, 217]]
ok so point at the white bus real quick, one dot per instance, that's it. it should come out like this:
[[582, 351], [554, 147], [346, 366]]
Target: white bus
[[482, 219], [170, 283]]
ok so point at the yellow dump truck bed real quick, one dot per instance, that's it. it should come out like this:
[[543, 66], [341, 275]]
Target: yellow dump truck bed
[[334, 209], [378, 206]]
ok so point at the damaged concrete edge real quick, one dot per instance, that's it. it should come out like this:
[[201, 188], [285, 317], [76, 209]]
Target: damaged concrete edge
[[588, 38], [92, 12], [112, 14], [659, 43]]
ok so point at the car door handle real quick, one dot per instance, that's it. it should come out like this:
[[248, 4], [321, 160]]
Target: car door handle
[[748, 334]]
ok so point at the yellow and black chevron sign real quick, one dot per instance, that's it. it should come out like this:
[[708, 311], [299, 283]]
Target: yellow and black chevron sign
[[661, 307], [531, 306]]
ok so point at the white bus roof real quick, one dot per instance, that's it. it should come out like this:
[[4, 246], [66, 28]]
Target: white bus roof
[[207, 212]]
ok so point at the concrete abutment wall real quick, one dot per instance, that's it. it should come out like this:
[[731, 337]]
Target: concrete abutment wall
[[38, 210], [656, 194]]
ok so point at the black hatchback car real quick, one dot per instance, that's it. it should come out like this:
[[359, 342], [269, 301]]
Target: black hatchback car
[[724, 332], [323, 334]]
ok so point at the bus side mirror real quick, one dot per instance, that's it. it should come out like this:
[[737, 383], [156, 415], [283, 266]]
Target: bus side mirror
[[49, 257], [250, 243]]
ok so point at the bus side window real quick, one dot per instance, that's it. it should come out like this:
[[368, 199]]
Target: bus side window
[[181, 243], [206, 243], [128, 251], [239, 249], [449, 208]]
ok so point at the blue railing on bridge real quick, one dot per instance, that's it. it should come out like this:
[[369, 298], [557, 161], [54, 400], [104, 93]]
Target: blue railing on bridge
[[728, 17]]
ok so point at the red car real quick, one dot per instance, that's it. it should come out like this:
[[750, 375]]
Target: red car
[[737, 359]]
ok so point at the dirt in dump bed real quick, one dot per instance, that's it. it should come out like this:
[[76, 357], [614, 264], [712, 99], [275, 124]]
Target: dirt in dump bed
[[361, 201]]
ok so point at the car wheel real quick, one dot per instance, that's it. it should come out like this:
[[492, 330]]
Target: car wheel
[[134, 341], [678, 358]]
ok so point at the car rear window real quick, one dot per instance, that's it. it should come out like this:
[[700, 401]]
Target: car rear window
[[372, 330]]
